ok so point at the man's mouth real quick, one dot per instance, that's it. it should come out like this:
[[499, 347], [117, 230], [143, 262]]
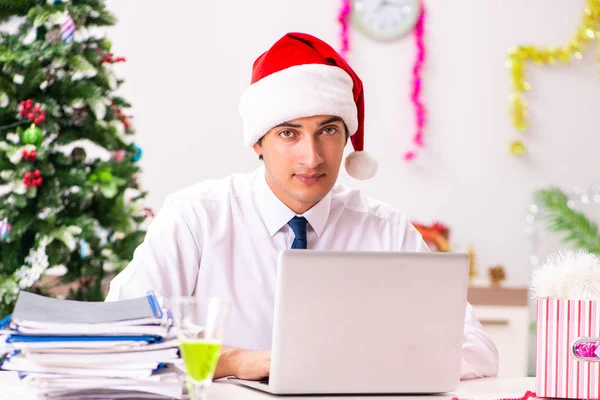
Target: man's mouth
[[308, 178]]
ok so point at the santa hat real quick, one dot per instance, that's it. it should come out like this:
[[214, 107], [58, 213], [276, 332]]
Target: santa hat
[[302, 76]]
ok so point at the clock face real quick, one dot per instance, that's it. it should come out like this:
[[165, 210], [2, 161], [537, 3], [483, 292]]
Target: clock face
[[385, 19]]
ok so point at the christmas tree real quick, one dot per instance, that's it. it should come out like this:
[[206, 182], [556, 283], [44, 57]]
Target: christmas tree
[[69, 195]]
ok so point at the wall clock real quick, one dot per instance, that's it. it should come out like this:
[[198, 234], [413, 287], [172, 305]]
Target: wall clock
[[385, 20]]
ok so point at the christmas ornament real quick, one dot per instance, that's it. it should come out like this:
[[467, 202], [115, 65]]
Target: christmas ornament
[[111, 59], [343, 20], [122, 117], [32, 112], [67, 29], [138, 153], [105, 44], [84, 249], [496, 274], [32, 135], [78, 154], [105, 176], [57, 1], [118, 156], [420, 111], [472, 262], [101, 175], [517, 58], [108, 183], [5, 229], [29, 155], [34, 178]]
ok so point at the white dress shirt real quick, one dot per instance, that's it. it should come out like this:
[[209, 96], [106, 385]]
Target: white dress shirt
[[222, 238]]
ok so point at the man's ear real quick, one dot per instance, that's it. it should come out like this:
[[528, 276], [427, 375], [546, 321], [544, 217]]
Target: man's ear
[[257, 149]]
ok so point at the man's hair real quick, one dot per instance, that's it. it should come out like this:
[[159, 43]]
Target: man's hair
[[261, 139]]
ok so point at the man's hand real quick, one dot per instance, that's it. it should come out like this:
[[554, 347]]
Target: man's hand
[[243, 364], [253, 365]]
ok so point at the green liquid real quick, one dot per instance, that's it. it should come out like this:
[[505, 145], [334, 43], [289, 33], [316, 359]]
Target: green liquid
[[200, 358]]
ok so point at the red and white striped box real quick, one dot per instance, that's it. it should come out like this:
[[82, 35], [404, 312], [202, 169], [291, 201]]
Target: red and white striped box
[[560, 373]]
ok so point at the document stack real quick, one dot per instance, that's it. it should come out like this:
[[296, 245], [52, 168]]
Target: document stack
[[70, 349]]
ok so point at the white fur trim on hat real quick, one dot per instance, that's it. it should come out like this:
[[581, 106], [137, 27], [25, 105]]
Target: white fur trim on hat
[[361, 165], [297, 92]]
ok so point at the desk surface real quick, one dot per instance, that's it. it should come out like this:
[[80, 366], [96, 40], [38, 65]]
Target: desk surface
[[484, 389]]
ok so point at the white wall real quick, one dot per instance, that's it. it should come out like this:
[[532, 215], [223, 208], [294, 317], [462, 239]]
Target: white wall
[[189, 61]]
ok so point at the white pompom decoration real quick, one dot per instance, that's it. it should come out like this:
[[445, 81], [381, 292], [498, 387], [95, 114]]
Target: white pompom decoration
[[568, 275], [361, 165]]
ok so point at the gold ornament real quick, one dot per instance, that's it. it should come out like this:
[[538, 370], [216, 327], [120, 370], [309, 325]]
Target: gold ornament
[[472, 262], [588, 30], [496, 274]]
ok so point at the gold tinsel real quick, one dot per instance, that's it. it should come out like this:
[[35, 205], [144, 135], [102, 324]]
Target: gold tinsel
[[588, 30]]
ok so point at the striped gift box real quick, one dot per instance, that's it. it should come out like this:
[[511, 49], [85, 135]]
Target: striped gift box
[[561, 373]]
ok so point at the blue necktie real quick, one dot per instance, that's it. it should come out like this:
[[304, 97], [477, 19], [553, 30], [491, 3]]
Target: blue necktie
[[298, 225]]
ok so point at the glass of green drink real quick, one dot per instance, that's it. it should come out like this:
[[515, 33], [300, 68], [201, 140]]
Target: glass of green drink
[[199, 325]]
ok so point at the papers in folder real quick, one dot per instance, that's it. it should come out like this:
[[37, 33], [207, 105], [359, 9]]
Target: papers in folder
[[72, 349]]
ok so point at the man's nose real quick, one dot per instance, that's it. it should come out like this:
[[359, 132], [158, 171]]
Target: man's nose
[[311, 153]]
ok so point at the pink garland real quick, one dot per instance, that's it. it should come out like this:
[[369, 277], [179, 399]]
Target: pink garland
[[343, 20], [420, 111], [419, 31]]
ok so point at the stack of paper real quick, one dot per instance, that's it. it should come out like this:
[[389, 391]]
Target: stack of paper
[[72, 349]]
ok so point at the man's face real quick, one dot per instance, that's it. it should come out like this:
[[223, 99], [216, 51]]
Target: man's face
[[302, 159]]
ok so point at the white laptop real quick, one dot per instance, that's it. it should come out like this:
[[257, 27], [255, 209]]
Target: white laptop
[[367, 322]]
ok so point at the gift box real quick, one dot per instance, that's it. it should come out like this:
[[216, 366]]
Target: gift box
[[567, 289], [567, 338]]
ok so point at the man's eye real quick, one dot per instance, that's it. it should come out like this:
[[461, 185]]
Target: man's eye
[[286, 134], [331, 130]]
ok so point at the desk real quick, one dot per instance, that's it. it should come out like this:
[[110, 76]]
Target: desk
[[484, 389]]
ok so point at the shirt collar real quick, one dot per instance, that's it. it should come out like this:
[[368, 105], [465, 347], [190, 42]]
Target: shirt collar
[[275, 214]]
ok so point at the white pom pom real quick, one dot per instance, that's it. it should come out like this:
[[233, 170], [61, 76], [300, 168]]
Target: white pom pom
[[568, 275], [361, 165]]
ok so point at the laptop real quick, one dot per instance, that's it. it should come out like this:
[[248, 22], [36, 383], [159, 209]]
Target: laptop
[[350, 322]]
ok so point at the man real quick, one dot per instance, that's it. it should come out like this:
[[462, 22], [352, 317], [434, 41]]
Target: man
[[222, 238]]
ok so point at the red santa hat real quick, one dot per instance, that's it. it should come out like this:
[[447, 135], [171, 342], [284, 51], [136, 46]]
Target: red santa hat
[[302, 76]]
